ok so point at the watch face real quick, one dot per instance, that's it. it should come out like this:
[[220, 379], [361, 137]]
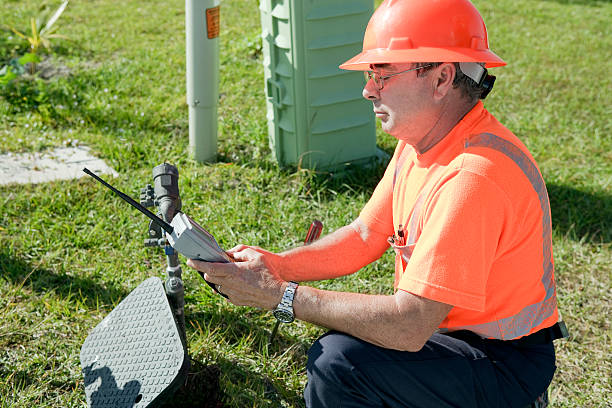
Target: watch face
[[284, 316]]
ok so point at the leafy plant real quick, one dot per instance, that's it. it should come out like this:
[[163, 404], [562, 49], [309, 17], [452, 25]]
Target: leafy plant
[[16, 67], [43, 30]]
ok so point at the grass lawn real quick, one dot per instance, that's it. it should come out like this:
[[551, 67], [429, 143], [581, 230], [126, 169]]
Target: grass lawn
[[70, 251]]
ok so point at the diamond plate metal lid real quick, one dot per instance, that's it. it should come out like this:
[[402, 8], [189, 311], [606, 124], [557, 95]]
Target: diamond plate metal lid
[[135, 356]]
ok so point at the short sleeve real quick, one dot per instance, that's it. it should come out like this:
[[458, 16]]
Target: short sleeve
[[377, 214]]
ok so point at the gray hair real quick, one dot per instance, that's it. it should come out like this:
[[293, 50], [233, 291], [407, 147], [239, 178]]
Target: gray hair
[[468, 87]]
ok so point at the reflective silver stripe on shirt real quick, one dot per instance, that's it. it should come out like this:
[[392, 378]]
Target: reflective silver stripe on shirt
[[533, 315]]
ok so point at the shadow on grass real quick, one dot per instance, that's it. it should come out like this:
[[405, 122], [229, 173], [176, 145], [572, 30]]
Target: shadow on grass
[[273, 394], [237, 326], [592, 3], [201, 389], [42, 281], [352, 179], [240, 323], [347, 176], [580, 214]]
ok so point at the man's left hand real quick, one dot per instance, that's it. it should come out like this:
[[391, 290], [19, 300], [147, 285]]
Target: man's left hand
[[249, 281]]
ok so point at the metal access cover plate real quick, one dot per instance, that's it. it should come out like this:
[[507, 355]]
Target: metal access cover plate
[[135, 356]]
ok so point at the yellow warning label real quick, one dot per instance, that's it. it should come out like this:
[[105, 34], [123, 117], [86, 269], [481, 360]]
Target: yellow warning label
[[212, 22]]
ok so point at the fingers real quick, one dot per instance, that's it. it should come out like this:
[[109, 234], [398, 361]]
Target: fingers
[[237, 248], [211, 270], [248, 281], [248, 254], [241, 247]]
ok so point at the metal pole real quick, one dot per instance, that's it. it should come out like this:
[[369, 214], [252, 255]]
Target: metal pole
[[202, 49], [165, 195], [167, 199]]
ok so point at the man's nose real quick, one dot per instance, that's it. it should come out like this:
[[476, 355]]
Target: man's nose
[[370, 91]]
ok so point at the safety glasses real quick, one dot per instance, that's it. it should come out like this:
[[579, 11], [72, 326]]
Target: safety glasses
[[379, 80]]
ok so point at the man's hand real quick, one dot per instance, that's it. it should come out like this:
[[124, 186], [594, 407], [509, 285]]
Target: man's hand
[[251, 280], [402, 321]]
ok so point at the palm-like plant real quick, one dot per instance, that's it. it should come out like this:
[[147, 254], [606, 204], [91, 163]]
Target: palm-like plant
[[42, 37]]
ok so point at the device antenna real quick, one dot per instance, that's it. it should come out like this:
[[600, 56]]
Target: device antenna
[[163, 224]]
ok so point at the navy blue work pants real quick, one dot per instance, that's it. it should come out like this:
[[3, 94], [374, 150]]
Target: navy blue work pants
[[459, 371]]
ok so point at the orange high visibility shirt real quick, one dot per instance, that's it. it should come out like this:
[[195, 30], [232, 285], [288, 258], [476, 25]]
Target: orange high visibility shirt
[[475, 216]]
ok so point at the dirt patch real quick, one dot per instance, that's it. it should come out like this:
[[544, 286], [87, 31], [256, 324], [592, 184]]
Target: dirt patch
[[51, 68]]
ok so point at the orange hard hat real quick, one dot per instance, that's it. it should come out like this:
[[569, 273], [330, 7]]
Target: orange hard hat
[[402, 31]]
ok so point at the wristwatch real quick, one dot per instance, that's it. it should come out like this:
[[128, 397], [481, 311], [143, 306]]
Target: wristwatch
[[284, 310]]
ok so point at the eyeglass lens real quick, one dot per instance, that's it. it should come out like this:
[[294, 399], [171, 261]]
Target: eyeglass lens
[[375, 76]]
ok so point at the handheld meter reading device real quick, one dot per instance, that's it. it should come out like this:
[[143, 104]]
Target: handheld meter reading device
[[183, 234]]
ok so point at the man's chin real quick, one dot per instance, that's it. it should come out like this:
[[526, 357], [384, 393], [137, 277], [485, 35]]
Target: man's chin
[[388, 127]]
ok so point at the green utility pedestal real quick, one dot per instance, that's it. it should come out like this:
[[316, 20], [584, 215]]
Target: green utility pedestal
[[316, 115]]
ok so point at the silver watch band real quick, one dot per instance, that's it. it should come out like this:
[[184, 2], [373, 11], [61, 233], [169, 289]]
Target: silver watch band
[[288, 295], [284, 310]]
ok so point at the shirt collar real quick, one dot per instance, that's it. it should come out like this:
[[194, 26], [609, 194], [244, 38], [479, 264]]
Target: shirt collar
[[458, 132]]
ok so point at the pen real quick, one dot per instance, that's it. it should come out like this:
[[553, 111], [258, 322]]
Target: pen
[[313, 232]]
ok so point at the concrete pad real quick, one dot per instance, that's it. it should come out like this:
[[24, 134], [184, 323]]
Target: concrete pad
[[61, 164]]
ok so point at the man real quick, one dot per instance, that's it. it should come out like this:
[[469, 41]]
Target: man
[[463, 205]]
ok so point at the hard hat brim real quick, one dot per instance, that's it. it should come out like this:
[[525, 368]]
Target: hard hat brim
[[362, 61]]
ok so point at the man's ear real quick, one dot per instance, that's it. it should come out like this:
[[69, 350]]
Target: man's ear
[[443, 79]]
